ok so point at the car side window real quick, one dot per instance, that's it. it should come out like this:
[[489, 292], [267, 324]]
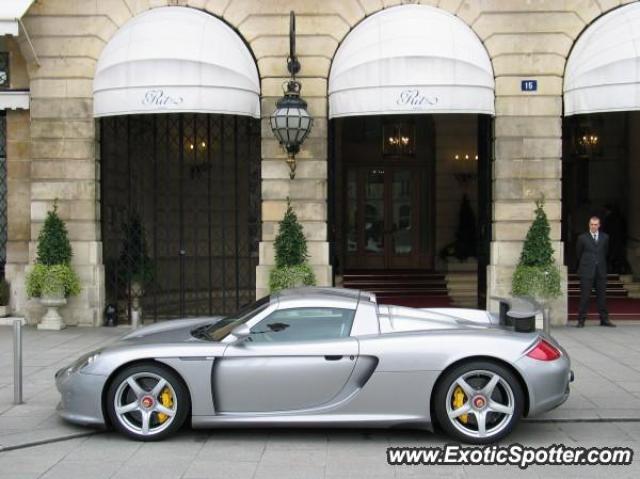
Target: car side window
[[303, 324]]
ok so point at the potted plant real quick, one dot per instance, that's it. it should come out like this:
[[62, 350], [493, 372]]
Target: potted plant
[[466, 242], [537, 275], [5, 297], [52, 278], [135, 267], [292, 269]]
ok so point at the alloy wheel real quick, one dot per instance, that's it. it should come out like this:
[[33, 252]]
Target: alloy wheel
[[480, 403]]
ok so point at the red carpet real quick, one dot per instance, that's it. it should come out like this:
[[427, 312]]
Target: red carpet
[[619, 308]]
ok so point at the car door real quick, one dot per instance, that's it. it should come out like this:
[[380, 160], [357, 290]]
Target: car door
[[295, 359]]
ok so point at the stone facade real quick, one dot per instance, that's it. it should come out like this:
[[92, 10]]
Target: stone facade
[[53, 153]]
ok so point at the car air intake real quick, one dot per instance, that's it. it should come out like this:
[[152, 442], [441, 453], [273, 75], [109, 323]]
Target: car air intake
[[518, 313]]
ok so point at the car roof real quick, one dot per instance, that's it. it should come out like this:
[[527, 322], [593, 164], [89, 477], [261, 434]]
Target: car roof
[[326, 295]]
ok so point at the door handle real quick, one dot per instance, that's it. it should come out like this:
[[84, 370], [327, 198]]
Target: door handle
[[332, 357]]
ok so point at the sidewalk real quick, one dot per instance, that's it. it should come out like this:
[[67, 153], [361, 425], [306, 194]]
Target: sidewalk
[[44, 352], [606, 363]]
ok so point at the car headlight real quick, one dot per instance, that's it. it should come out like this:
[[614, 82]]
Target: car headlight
[[83, 362], [89, 360]]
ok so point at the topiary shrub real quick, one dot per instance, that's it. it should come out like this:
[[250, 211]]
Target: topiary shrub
[[537, 273], [290, 243], [53, 241], [52, 272], [466, 243], [292, 268], [134, 264]]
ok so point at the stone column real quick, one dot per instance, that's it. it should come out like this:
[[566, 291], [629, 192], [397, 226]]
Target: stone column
[[63, 142], [527, 41], [320, 27], [527, 152], [64, 168], [308, 191]]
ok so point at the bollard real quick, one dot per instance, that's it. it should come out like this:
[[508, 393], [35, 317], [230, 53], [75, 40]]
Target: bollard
[[17, 361], [546, 320]]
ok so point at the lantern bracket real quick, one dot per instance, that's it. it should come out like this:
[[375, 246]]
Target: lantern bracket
[[293, 65]]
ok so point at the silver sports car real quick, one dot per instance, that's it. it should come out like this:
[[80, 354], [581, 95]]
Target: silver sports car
[[320, 357]]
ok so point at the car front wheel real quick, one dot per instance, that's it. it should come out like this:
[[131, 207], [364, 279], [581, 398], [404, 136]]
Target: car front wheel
[[147, 402], [479, 402]]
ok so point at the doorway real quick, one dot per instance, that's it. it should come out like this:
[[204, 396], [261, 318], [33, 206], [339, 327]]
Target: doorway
[[180, 213], [383, 205], [383, 196], [410, 206]]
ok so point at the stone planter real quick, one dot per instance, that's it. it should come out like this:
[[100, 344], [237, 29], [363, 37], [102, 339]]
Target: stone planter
[[52, 319], [137, 291]]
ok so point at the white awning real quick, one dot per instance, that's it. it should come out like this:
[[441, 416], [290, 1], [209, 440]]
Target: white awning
[[411, 59], [176, 59], [603, 69], [13, 100], [10, 12]]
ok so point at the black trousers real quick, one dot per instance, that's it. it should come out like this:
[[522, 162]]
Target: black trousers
[[599, 282]]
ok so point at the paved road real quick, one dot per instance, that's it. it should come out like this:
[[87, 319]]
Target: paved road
[[298, 454]]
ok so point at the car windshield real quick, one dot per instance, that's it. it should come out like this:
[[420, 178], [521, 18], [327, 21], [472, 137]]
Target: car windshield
[[222, 328]]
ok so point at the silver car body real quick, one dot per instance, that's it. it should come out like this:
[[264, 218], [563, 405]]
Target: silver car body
[[381, 374]]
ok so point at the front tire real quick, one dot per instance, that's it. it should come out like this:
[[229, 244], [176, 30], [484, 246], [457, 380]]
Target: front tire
[[147, 402], [478, 402]]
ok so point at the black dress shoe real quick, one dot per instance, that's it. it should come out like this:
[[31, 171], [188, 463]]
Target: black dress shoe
[[607, 323], [580, 324]]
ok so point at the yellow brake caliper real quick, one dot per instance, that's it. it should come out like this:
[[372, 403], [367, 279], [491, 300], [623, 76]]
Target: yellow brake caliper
[[167, 401], [458, 402]]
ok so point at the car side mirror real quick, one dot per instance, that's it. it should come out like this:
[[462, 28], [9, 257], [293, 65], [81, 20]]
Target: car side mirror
[[240, 332]]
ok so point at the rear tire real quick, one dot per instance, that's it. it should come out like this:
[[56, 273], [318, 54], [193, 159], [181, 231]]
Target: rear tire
[[478, 402], [147, 402]]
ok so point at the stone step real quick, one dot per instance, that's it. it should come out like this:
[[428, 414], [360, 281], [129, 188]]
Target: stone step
[[463, 288]]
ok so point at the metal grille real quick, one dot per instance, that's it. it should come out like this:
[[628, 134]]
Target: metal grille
[[180, 213], [4, 70], [3, 191]]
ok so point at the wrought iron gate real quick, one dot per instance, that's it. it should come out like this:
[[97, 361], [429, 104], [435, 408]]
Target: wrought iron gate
[[180, 205]]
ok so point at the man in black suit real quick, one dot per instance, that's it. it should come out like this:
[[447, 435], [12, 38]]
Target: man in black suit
[[591, 250]]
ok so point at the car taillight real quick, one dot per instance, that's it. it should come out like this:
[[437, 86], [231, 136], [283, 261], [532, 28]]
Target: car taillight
[[544, 351]]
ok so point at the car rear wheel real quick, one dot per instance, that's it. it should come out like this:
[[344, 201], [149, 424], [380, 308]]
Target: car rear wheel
[[478, 402], [147, 402]]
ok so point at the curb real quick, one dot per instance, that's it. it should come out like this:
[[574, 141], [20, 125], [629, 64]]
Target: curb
[[585, 420], [49, 441]]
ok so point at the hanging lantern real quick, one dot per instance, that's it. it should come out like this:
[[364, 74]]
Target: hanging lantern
[[291, 122]]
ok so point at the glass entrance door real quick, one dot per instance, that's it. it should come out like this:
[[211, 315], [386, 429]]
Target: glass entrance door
[[382, 210]]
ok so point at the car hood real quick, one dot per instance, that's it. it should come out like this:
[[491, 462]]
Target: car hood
[[171, 331]]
